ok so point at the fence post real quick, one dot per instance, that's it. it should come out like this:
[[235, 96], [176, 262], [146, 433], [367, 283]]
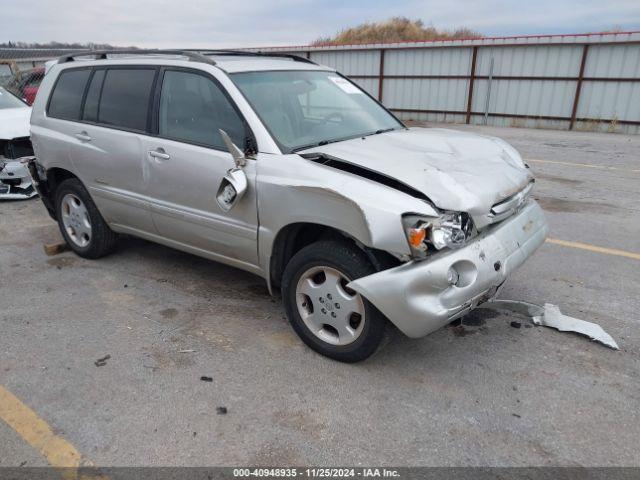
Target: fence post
[[576, 99], [381, 75], [486, 103], [472, 77]]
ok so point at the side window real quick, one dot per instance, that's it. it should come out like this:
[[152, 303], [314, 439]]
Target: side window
[[125, 97], [90, 112], [66, 98], [193, 108]]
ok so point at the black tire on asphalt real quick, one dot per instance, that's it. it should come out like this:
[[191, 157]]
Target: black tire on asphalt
[[353, 263], [103, 239]]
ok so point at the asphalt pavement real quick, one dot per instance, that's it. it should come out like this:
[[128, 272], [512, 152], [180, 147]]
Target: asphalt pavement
[[482, 393]]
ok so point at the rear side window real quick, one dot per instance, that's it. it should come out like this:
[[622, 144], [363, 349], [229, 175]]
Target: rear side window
[[124, 102], [66, 98], [93, 97]]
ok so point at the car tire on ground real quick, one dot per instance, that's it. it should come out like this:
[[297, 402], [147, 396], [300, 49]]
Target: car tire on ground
[[80, 222], [330, 318]]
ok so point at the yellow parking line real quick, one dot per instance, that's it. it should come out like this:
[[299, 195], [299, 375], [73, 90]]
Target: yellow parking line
[[37, 433], [594, 248], [583, 165]]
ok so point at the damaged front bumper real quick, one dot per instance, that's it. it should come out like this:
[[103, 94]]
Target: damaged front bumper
[[15, 181], [418, 296]]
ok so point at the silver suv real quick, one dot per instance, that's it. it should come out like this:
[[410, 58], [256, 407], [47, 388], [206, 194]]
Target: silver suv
[[288, 170]]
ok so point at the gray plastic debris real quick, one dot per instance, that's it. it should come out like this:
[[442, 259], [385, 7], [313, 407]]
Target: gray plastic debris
[[550, 316]]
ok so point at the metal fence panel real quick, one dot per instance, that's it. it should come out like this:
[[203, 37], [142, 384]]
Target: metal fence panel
[[585, 81], [610, 100], [425, 94], [613, 61], [532, 98], [350, 63], [589, 81], [434, 61], [530, 61], [433, 116]]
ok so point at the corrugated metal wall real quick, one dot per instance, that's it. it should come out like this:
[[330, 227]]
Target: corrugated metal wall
[[588, 82]]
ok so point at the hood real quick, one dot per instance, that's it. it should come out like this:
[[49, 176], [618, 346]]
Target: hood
[[457, 171], [14, 122]]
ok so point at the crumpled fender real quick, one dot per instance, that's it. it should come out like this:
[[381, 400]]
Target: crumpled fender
[[291, 189]]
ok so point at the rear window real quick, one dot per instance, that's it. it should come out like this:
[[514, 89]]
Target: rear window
[[124, 102], [66, 98]]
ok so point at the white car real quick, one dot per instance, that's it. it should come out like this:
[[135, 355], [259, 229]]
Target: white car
[[15, 182]]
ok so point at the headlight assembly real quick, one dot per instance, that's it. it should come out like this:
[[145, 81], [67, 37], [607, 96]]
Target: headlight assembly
[[451, 229]]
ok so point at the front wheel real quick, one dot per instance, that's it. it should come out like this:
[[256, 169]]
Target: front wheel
[[329, 317]]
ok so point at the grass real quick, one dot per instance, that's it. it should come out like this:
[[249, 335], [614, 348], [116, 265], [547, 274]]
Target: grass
[[396, 29]]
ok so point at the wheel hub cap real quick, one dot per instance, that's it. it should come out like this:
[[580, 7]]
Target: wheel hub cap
[[75, 218], [333, 312]]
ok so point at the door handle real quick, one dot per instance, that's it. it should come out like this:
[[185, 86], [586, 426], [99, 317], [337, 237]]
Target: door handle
[[160, 154], [83, 136]]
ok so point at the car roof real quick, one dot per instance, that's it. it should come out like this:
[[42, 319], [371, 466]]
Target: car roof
[[230, 61], [245, 63]]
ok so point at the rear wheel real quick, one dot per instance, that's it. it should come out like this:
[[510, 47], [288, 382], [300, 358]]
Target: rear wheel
[[328, 316], [80, 222]]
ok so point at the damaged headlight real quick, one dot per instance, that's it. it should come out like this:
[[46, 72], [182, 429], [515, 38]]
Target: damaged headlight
[[451, 229]]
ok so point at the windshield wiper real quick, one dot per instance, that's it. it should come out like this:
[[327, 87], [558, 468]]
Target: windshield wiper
[[326, 142], [378, 132], [317, 144]]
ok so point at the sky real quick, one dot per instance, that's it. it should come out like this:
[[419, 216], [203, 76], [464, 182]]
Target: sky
[[247, 23]]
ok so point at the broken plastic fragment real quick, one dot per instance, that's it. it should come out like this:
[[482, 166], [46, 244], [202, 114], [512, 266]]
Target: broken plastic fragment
[[550, 316]]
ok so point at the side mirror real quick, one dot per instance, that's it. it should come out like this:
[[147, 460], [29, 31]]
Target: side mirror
[[232, 188], [234, 184]]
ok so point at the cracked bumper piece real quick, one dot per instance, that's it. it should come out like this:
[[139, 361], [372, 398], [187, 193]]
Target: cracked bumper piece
[[15, 181], [418, 296]]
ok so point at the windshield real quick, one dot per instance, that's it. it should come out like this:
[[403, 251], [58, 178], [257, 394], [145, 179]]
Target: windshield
[[7, 100], [303, 109]]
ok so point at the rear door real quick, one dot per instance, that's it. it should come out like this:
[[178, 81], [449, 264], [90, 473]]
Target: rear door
[[187, 161], [108, 143]]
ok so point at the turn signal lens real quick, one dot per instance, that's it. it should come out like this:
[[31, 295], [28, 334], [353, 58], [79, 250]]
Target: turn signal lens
[[417, 236]]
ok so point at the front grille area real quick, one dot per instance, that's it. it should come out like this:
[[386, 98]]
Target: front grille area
[[511, 205]]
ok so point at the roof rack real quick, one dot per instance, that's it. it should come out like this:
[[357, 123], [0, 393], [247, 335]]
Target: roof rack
[[248, 53], [192, 55]]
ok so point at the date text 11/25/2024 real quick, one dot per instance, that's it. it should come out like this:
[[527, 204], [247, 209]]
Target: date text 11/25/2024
[[315, 473]]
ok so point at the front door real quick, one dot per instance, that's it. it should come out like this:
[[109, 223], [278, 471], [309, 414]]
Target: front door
[[187, 162]]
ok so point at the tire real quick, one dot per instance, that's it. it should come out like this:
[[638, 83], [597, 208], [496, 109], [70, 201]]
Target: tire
[[80, 222], [358, 335]]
